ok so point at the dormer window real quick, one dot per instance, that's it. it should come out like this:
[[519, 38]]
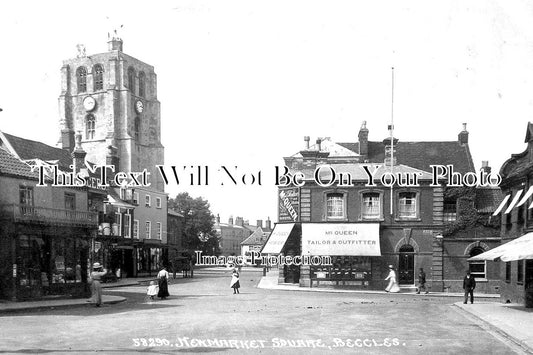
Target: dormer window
[[81, 77]]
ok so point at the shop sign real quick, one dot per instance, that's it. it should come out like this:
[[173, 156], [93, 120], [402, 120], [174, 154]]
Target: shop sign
[[343, 239], [289, 205]]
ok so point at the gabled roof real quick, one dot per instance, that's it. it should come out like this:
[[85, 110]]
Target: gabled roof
[[12, 166], [421, 155], [28, 149], [258, 237]]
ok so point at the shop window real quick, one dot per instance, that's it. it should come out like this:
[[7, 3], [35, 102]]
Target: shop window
[[142, 84], [371, 205], [148, 230], [507, 272], [98, 77], [127, 225], [66, 261], [520, 272], [478, 267], [407, 205], [450, 210], [136, 228], [131, 79], [335, 206], [81, 78], [90, 124]]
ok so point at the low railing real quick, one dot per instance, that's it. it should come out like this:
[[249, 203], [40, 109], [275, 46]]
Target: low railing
[[45, 215]]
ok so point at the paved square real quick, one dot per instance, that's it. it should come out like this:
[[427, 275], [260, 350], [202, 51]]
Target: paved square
[[203, 315]]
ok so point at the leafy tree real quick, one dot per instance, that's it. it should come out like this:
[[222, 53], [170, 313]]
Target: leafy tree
[[198, 222]]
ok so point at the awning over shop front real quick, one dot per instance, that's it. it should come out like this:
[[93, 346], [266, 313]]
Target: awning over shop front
[[343, 239], [517, 249], [277, 238]]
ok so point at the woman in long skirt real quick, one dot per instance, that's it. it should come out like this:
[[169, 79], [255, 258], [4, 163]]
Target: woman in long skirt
[[96, 287], [393, 285], [235, 284], [162, 277]]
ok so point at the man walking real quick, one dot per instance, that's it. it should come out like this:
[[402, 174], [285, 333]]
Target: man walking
[[421, 282], [469, 284]]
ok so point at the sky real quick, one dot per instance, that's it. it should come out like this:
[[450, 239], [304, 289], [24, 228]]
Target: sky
[[242, 82]]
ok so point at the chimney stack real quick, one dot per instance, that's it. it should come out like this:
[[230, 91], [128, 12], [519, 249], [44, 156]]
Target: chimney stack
[[230, 221], [267, 224], [319, 144], [78, 155], [463, 135], [306, 140], [239, 221], [260, 223], [363, 140], [218, 219]]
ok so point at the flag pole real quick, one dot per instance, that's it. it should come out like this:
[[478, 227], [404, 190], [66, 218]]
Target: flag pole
[[392, 142]]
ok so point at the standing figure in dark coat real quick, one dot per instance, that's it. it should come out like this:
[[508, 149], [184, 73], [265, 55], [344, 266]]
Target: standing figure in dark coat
[[162, 277], [469, 284], [421, 281]]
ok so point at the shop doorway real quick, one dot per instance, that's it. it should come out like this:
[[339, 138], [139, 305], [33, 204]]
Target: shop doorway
[[406, 265]]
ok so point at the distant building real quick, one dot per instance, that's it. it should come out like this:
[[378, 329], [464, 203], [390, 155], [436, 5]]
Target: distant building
[[254, 243]]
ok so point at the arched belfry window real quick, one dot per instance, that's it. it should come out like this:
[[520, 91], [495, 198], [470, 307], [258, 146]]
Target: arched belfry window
[[137, 127], [98, 77], [131, 79], [81, 77], [90, 126], [142, 84]]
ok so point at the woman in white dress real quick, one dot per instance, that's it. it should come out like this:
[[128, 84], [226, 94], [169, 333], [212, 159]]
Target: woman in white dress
[[393, 285]]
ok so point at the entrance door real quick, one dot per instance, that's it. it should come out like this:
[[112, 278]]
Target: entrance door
[[406, 265]]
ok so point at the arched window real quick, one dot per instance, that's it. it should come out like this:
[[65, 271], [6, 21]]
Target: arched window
[[131, 79], [98, 77], [142, 84], [90, 126], [81, 76], [137, 127], [477, 268]]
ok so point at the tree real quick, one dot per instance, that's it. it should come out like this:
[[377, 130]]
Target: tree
[[198, 222]]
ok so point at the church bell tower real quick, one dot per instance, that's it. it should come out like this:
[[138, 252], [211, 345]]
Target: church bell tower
[[111, 99]]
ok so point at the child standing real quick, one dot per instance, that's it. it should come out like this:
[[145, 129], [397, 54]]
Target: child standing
[[152, 290], [235, 284]]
